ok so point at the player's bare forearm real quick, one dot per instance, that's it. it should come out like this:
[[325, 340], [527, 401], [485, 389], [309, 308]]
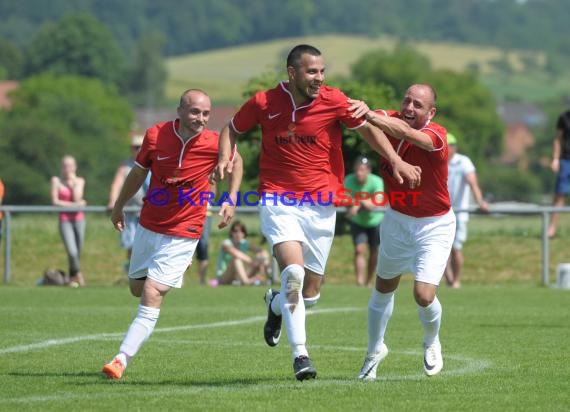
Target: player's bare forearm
[[116, 186], [400, 169], [227, 210], [378, 141], [236, 176], [227, 142], [400, 130], [133, 183], [392, 126]]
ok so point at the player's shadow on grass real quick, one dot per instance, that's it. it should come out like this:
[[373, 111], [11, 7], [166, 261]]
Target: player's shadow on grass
[[522, 325], [186, 382], [135, 381], [77, 374]]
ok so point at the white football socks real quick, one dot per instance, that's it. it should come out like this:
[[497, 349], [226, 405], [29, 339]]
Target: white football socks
[[276, 305], [310, 302], [430, 318], [380, 308], [139, 331], [293, 308]]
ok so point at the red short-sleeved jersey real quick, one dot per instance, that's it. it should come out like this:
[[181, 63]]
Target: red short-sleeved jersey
[[433, 199], [179, 174], [301, 148]]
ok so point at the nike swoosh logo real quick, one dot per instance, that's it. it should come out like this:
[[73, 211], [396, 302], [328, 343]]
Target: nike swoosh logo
[[162, 158], [367, 373], [428, 366], [273, 116]]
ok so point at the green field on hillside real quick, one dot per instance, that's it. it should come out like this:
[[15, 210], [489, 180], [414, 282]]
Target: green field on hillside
[[224, 73]]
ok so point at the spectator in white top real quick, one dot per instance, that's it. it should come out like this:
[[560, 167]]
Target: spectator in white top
[[461, 182]]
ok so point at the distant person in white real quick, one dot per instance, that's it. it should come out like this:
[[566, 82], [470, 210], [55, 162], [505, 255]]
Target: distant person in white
[[461, 182]]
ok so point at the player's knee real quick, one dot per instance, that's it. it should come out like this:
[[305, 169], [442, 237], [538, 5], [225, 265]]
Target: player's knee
[[424, 293], [423, 302], [424, 298], [292, 282], [311, 301]]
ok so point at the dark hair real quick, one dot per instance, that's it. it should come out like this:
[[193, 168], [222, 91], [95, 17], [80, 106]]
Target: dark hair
[[239, 224], [362, 160], [294, 57]]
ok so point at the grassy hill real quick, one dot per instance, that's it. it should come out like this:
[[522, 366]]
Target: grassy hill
[[224, 72]]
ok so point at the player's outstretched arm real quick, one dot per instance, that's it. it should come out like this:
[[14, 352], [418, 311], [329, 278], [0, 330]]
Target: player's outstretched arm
[[400, 169], [391, 125], [226, 147], [227, 209]]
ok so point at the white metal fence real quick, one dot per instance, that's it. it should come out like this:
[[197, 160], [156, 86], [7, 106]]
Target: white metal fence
[[543, 211]]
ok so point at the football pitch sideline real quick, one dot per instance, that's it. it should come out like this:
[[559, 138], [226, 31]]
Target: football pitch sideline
[[504, 347]]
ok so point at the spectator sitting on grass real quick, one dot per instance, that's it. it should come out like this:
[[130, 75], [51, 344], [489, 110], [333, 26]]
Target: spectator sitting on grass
[[235, 265]]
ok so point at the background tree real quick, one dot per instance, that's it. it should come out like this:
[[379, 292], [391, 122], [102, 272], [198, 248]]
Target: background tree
[[516, 24], [11, 59], [398, 68], [471, 113], [78, 44], [468, 110], [146, 78], [57, 115]]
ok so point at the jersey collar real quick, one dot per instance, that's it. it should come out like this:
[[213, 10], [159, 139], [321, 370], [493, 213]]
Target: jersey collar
[[284, 87], [175, 124]]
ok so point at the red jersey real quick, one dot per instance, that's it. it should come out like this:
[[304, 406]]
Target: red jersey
[[301, 147], [433, 197], [179, 175]]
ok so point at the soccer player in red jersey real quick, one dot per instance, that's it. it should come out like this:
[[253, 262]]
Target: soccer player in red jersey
[[415, 237], [181, 156], [300, 169]]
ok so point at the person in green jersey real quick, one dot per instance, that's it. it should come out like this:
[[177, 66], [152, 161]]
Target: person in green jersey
[[364, 220]]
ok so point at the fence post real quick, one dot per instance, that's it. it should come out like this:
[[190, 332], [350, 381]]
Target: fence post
[[545, 248], [7, 244]]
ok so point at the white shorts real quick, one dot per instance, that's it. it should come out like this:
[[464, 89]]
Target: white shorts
[[460, 234], [417, 245], [162, 258], [313, 226], [128, 234]]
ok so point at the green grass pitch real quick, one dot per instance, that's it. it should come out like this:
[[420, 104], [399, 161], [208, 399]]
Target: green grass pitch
[[505, 348]]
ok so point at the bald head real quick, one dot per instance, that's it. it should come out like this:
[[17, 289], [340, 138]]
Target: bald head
[[193, 112], [191, 95], [426, 92], [418, 105]]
